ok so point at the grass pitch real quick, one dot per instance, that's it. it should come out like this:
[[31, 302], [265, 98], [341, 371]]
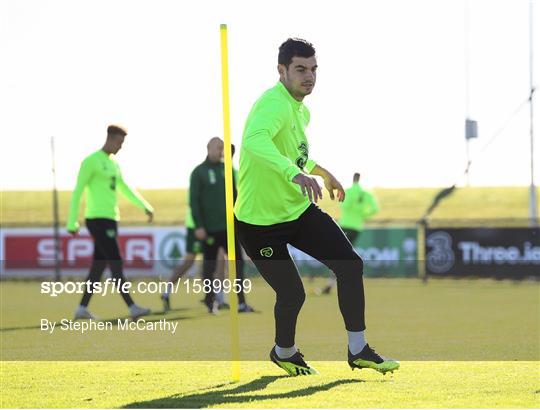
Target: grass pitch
[[462, 343], [504, 206], [262, 385]]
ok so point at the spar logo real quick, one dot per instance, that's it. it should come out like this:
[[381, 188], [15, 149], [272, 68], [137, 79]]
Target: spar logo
[[441, 257], [38, 251]]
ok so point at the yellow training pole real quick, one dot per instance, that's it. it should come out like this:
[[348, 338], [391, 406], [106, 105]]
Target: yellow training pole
[[231, 250]]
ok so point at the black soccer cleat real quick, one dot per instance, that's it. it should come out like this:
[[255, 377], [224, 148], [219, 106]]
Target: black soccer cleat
[[369, 359], [294, 365], [245, 308], [327, 290]]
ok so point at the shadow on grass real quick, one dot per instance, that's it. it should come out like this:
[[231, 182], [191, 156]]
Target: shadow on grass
[[210, 397]]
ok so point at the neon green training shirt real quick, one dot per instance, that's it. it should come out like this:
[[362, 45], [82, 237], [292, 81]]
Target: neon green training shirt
[[100, 176], [358, 206], [274, 150]]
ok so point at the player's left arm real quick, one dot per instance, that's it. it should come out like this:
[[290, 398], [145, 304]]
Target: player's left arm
[[330, 182], [134, 197]]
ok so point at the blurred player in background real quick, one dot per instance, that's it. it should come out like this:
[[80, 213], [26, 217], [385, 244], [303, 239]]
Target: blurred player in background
[[274, 208], [358, 206], [193, 247], [222, 264], [207, 201], [100, 177]]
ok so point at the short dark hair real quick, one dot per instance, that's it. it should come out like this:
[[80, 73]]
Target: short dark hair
[[294, 47], [356, 177], [116, 129]]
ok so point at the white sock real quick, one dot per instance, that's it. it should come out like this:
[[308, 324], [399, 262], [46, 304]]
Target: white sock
[[81, 307], [285, 352], [220, 297], [357, 341]]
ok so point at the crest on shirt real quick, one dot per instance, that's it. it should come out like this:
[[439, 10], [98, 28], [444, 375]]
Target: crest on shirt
[[211, 176], [267, 252], [302, 159]]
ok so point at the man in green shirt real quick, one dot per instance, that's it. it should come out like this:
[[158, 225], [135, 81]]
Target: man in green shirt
[[358, 206], [193, 247], [100, 178], [208, 209], [275, 208]]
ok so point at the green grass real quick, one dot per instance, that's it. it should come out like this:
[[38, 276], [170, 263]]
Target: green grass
[[406, 205], [405, 318], [462, 343], [204, 384]]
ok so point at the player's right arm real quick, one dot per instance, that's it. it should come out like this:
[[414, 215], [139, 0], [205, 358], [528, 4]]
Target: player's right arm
[[83, 178], [266, 120], [195, 203]]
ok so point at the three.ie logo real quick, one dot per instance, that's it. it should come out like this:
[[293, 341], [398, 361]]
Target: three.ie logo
[[441, 258]]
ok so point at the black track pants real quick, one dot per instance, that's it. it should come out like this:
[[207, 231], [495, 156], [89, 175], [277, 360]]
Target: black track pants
[[316, 234], [106, 252], [211, 247]]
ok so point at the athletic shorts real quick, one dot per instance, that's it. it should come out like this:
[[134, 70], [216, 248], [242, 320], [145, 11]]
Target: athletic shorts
[[104, 232]]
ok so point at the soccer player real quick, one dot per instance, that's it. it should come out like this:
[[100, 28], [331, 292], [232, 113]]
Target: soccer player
[[207, 201], [275, 208], [100, 177], [359, 205], [194, 247]]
